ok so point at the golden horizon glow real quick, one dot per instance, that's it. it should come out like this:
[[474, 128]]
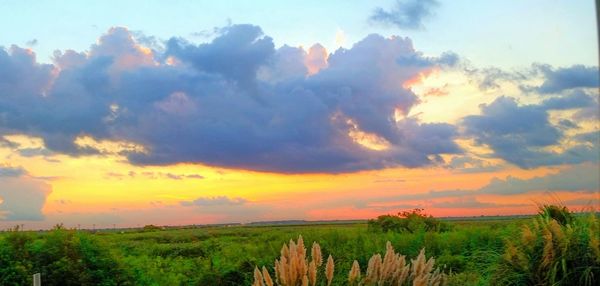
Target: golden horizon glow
[[107, 184]]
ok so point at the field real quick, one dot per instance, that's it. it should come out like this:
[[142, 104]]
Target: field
[[471, 252]]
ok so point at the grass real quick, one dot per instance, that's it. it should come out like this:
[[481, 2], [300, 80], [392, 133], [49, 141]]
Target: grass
[[553, 252], [474, 252]]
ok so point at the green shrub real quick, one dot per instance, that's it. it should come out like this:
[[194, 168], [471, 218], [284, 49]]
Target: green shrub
[[151, 227], [464, 279], [454, 263], [408, 221], [15, 258], [63, 257]]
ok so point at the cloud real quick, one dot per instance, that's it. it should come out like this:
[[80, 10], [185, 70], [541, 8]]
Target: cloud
[[521, 134], [512, 130], [582, 178], [472, 203], [236, 54], [470, 164], [578, 178], [153, 175], [158, 213], [575, 99], [567, 124], [542, 79], [315, 59], [589, 113], [406, 14], [63, 202], [22, 77], [576, 76], [234, 102], [389, 180], [115, 175], [8, 171], [289, 63], [215, 201], [7, 143], [32, 42], [194, 176], [21, 198], [590, 202], [181, 177]]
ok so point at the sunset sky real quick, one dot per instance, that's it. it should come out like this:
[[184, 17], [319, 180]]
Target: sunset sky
[[195, 112]]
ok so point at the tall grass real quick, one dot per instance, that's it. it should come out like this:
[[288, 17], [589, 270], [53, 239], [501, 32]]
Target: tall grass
[[557, 248], [294, 269]]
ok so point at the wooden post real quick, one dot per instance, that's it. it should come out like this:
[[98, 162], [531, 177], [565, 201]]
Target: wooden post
[[37, 279]]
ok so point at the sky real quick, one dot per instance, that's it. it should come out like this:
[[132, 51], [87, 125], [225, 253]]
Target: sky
[[127, 113]]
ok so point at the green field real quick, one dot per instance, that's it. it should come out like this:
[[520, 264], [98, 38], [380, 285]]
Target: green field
[[471, 251]]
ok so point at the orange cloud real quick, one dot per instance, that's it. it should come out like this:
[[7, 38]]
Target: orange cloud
[[316, 59]]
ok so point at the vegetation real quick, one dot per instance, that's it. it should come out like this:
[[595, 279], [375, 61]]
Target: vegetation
[[559, 213], [293, 269], [553, 252], [408, 221], [538, 251], [63, 257]]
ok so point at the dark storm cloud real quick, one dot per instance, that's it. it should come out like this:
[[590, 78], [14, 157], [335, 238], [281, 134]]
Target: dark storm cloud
[[405, 14], [518, 133], [577, 76], [233, 102]]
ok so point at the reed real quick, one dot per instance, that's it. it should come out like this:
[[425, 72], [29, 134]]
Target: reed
[[553, 250], [394, 270], [294, 268]]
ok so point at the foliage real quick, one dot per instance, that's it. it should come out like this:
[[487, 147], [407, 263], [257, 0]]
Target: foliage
[[549, 251], [408, 221], [151, 227], [228, 255], [63, 257], [474, 252], [560, 213]]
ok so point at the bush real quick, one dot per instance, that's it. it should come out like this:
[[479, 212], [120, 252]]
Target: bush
[[151, 227], [408, 221], [63, 257], [15, 262], [553, 252]]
